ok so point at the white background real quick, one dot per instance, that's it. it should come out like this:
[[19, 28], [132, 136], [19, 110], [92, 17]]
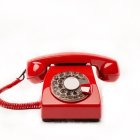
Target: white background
[[32, 28]]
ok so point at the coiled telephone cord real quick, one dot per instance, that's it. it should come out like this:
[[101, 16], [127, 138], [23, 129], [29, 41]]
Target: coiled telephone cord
[[17, 106]]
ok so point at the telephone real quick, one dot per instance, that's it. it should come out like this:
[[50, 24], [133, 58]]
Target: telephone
[[69, 90]]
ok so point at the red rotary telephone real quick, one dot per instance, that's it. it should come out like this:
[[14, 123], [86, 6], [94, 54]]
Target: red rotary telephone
[[69, 91]]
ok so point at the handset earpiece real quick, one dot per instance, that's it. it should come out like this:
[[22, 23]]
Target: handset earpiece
[[36, 72], [109, 71]]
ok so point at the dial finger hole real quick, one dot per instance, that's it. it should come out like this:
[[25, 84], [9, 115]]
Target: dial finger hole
[[55, 88], [60, 81], [62, 75], [68, 74], [62, 95], [56, 77], [54, 83], [57, 93], [60, 86], [63, 91]]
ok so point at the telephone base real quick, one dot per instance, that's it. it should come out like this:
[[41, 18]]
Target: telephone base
[[54, 109]]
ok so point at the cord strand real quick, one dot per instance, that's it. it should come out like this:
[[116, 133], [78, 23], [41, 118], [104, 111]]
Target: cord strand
[[17, 106]]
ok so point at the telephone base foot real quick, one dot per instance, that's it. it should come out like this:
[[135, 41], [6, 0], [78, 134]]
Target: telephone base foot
[[71, 120]]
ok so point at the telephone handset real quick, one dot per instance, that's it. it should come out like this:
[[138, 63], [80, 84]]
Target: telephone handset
[[107, 68], [69, 89]]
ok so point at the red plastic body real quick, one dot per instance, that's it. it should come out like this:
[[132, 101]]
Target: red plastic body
[[54, 109], [40, 69]]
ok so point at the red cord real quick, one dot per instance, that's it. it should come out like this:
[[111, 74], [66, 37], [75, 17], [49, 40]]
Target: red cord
[[17, 106]]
